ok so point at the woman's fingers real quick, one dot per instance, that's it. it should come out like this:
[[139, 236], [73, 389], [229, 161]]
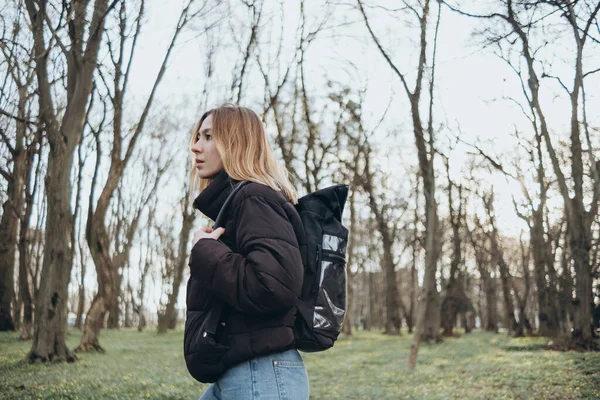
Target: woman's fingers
[[217, 233], [207, 232]]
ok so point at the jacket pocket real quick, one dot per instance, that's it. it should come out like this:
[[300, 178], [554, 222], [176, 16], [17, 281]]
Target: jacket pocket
[[203, 354]]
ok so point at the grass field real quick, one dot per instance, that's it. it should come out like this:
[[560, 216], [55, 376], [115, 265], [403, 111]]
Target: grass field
[[367, 366]]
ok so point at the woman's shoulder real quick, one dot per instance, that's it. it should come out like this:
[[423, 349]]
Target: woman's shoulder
[[265, 195], [259, 190]]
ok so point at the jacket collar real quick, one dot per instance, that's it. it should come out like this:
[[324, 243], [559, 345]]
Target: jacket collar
[[211, 199]]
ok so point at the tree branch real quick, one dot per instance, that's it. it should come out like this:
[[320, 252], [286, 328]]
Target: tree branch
[[6, 141], [383, 53], [591, 72], [19, 119], [545, 75], [55, 34], [5, 174], [133, 46]]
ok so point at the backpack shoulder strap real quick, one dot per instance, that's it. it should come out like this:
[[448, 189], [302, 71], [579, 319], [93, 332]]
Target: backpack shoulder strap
[[223, 212], [214, 315]]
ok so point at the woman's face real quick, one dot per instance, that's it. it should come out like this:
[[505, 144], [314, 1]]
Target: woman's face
[[208, 160]]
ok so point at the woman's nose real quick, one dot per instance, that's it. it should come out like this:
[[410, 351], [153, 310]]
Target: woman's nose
[[197, 147]]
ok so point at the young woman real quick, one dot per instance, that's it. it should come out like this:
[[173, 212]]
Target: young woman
[[252, 265]]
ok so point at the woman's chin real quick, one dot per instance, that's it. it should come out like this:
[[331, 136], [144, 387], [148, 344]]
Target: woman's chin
[[207, 174]]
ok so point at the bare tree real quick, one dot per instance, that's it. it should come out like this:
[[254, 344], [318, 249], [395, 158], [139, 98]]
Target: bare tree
[[175, 263], [428, 317], [487, 281], [455, 300], [388, 229], [25, 259], [497, 254], [21, 150], [64, 133], [524, 323], [96, 232], [147, 263]]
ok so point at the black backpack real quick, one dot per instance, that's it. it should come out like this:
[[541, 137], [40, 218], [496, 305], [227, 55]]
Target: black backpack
[[323, 243]]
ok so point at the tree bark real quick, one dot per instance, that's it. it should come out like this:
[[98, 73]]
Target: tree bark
[[114, 313]]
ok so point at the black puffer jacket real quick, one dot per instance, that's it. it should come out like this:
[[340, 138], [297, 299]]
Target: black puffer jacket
[[255, 269]]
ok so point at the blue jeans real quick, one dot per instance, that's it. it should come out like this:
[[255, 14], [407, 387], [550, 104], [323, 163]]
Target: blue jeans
[[273, 377]]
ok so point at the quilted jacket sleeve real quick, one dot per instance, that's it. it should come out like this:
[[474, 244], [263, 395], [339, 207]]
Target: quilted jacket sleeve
[[265, 277]]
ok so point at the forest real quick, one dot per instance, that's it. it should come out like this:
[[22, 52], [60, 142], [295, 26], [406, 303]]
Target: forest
[[468, 133]]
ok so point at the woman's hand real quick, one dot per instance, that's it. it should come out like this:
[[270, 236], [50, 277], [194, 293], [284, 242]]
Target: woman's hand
[[207, 233]]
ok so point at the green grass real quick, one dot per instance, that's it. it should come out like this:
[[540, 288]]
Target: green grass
[[367, 366]]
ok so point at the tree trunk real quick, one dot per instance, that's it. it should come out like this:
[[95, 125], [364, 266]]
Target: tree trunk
[[51, 305], [489, 284], [114, 314], [566, 289], [81, 294], [348, 320], [8, 231], [347, 327], [163, 317], [428, 315], [24, 289], [510, 321], [101, 303], [24, 253], [465, 323], [392, 320], [142, 318], [80, 306], [127, 322], [372, 308], [582, 322], [410, 320], [9, 224], [168, 320], [454, 294], [548, 325]]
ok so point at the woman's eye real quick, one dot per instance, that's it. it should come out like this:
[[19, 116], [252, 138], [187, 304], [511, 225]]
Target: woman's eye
[[208, 137]]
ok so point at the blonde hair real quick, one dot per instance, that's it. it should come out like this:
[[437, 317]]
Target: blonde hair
[[247, 155]]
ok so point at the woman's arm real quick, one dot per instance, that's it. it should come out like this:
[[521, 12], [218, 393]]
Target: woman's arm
[[266, 276]]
